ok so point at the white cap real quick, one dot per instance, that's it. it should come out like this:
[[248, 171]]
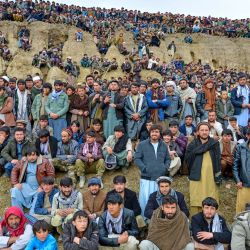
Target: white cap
[[36, 78], [6, 78], [170, 83]]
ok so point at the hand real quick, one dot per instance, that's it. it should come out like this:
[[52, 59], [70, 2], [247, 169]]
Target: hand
[[86, 113], [96, 96], [91, 159], [18, 186], [88, 155], [69, 211], [248, 105], [154, 100], [61, 212], [77, 240], [189, 100], [174, 138], [12, 240], [112, 105], [92, 216], [14, 162], [239, 185], [136, 117], [107, 99], [129, 156], [204, 236], [49, 209], [244, 105], [109, 150], [80, 113], [123, 238]]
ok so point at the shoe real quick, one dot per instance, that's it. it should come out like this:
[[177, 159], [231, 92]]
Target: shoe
[[100, 178], [82, 181]]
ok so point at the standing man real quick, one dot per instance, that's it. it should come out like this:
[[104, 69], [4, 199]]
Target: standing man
[[135, 108], [152, 158], [57, 107], [241, 169], [203, 162]]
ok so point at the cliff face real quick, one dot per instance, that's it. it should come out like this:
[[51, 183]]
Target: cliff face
[[217, 51]]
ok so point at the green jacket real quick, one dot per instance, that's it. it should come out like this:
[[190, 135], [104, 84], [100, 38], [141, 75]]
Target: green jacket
[[36, 107], [59, 106], [10, 150], [220, 110]]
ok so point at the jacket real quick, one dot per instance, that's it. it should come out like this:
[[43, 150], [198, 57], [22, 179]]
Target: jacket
[[200, 103], [52, 145], [73, 147], [199, 224], [94, 204], [7, 111], [130, 201], [28, 105], [241, 232], [241, 164], [118, 101], [39, 206], [91, 235], [237, 101], [175, 108], [152, 204], [128, 224], [219, 107], [182, 142], [59, 106], [36, 107], [10, 151], [48, 244], [183, 129], [152, 167], [44, 168], [84, 158]]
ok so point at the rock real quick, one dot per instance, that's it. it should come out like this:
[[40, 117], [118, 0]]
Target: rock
[[55, 74]]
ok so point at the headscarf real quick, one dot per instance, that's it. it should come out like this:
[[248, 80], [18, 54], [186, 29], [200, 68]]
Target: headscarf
[[14, 232], [210, 95]]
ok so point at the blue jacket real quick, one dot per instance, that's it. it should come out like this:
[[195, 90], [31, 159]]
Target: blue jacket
[[39, 206], [48, 244], [237, 101], [183, 130], [159, 105]]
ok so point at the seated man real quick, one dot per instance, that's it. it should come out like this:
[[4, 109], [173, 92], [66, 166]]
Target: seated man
[[155, 199], [66, 152], [188, 129], [120, 146], [42, 124], [80, 233], [117, 226], [65, 203], [237, 130], [89, 159], [168, 220], [208, 228], [15, 149], [145, 132], [46, 144], [94, 199], [4, 138], [15, 231], [26, 178], [43, 204], [241, 232], [227, 147]]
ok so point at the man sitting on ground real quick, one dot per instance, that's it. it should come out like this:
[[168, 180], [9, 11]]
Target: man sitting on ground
[[4, 139], [42, 124]]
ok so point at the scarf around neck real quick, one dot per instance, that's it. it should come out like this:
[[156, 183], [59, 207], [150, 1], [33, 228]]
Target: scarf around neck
[[22, 103], [159, 196], [121, 144], [55, 95], [85, 149], [240, 90], [68, 201], [114, 225]]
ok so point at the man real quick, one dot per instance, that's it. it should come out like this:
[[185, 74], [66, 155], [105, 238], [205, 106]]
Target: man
[[42, 123], [164, 189], [43, 204], [203, 162], [56, 107], [237, 130], [117, 226], [209, 229], [66, 152], [152, 158], [120, 146], [126, 66], [90, 159], [188, 97], [227, 148], [241, 168], [39, 101], [157, 101], [65, 203], [240, 98], [15, 149], [37, 87], [143, 87], [188, 129], [215, 127], [135, 109], [22, 103], [26, 178], [173, 111], [4, 138], [94, 199], [90, 83], [145, 131], [168, 220], [171, 49], [15, 231], [112, 106], [46, 144]]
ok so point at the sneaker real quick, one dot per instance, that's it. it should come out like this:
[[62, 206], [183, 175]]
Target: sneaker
[[82, 181]]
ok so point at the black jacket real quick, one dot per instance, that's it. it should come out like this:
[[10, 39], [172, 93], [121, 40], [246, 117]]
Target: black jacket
[[130, 201], [128, 224], [199, 224], [52, 144], [152, 204], [91, 235]]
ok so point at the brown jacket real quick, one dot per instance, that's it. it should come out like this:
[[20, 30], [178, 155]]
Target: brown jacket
[[6, 110], [94, 205], [44, 168]]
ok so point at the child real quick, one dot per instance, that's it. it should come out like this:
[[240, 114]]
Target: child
[[42, 240]]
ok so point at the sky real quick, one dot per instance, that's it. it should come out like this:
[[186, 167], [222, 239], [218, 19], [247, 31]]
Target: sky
[[217, 8]]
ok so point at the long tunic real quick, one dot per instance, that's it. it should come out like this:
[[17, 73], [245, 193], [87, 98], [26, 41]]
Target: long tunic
[[206, 186], [242, 118]]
